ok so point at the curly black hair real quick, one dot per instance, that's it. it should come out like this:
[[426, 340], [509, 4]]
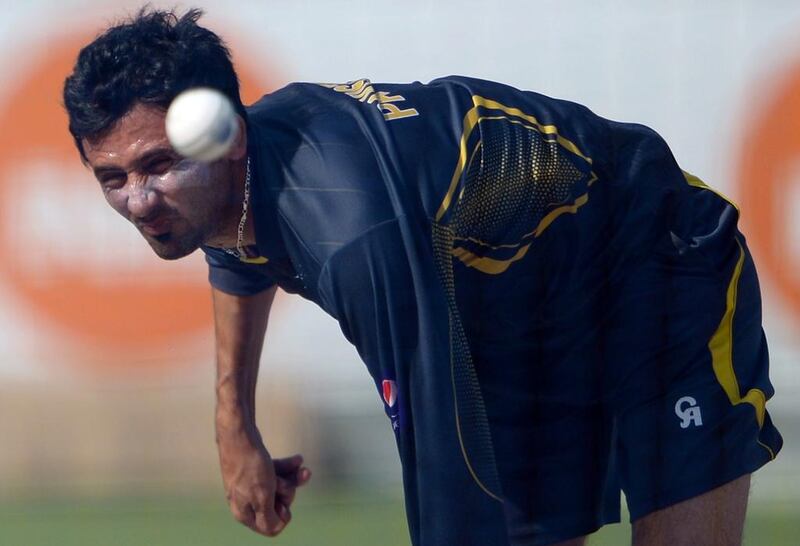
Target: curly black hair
[[149, 58]]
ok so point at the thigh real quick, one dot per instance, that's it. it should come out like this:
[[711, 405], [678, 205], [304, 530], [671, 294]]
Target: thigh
[[715, 518]]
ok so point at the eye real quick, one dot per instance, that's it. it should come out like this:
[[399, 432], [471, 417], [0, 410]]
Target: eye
[[159, 165], [112, 181]]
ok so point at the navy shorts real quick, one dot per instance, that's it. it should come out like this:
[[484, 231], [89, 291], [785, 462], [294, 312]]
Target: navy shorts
[[653, 383]]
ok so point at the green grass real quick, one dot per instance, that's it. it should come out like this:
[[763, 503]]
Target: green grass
[[329, 518], [763, 528], [332, 518]]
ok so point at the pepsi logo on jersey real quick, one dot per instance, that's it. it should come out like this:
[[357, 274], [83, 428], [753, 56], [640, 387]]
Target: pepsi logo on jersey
[[389, 388]]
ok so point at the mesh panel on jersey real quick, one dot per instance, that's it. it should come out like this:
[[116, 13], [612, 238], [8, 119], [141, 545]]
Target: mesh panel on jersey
[[518, 176], [473, 425]]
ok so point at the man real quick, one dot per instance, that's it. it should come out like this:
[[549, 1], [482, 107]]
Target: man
[[550, 308]]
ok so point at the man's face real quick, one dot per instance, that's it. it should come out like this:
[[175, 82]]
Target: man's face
[[175, 203]]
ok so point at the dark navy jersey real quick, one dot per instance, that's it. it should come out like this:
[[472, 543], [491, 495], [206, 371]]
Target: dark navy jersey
[[444, 223]]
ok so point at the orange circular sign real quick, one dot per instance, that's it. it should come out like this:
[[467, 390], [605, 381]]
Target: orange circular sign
[[83, 269], [770, 186]]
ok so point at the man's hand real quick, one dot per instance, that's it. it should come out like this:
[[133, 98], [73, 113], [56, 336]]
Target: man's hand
[[260, 490]]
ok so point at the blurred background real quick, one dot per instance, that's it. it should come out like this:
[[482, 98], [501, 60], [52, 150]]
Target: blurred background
[[106, 365]]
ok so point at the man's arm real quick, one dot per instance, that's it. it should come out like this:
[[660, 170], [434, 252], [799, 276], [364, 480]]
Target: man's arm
[[260, 491], [240, 324]]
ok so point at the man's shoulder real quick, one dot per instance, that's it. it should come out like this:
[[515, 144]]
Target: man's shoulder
[[292, 102], [362, 99], [299, 98]]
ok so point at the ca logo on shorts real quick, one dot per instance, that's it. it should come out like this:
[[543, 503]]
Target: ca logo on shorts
[[689, 412]]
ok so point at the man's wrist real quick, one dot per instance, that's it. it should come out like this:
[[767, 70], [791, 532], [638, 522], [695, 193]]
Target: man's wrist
[[234, 422]]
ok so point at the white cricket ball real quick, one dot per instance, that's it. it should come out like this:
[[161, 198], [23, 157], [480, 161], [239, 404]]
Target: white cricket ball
[[201, 124]]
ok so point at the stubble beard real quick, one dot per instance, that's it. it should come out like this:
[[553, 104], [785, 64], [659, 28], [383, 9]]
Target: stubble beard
[[172, 246], [186, 238], [211, 221]]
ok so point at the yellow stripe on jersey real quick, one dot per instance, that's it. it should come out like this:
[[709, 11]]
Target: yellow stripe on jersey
[[471, 119], [495, 267], [488, 265], [694, 181], [721, 348], [544, 129], [258, 260]]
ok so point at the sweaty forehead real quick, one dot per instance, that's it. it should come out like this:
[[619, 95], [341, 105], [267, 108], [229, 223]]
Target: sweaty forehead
[[140, 130]]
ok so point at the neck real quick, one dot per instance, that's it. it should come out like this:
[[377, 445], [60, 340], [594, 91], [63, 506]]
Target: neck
[[228, 235]]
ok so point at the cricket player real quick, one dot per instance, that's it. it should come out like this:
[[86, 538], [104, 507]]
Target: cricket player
[[552, 310]]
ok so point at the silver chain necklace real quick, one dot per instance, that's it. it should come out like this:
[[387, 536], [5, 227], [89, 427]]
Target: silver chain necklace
[[239, 252]]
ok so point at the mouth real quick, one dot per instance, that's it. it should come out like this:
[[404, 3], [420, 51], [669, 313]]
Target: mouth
[[156, 228], [163, 238]]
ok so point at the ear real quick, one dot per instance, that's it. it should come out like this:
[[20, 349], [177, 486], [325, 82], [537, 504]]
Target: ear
[[239, 148]]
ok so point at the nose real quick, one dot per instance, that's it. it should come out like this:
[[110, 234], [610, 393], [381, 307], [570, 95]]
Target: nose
[[142, 199]]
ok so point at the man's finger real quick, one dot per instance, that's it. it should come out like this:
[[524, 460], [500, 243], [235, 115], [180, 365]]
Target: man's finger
[[303, 475], [297, 478], [285, 492], [268, 522], [283, 512], [252, 519], [284, 486], [243, 514], [288, 465], [262, 525]]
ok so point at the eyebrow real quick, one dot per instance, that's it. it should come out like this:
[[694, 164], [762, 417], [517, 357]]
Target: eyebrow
[[143, 160]]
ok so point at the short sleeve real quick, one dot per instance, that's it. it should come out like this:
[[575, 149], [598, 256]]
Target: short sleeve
[[228, 274]]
